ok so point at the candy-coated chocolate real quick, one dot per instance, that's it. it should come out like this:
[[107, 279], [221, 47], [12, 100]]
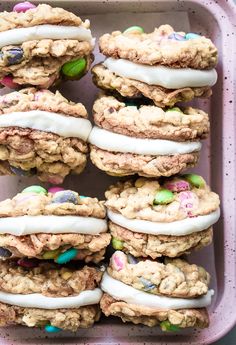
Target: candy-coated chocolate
[[35, 189], [163, 197], [23, 6], [139, 182], [74, 69], [55, 179], [195, 180], [14, 55], [66, 275], [52, 329], [134, 29], [191, 36], [8, 82], [174, 109], [177, 186], [166, 326], [67, 256], [21, 172], [83, 197], [148, 285], [54, 190], [118, 260], [51, 254], [28, 263], [5, 253], [65, 196], [177, 37], [188, 202], [131, 259], [117, 244]]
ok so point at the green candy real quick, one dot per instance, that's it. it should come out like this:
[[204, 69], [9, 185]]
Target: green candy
[[117, 244], [75, 68], [174, 109], [52, 329], [163, 197], [195, 180], [137, 29], [51, 254], [67, 256], [35, 189], [166, 326]]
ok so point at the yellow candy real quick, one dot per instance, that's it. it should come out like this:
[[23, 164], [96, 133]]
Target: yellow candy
[[51, 254], [139, 182], [66, 275]]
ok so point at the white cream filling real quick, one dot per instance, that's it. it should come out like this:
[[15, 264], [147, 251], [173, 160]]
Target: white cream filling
[[170, 78], [115, 142], [128, 294], [36, 300], [178, 228], [26, 225], [65, 126], [47, 31]]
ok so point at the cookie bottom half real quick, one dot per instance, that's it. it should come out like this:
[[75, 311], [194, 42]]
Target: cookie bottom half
[[183, 318], [122, 164], [66, 319], [153, 246]]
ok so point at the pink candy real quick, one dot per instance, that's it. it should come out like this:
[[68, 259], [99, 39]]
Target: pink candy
[[8, 82], [54, 190], [55, 180], [188, 202], [118, 260], [177, 186], [23, 6]]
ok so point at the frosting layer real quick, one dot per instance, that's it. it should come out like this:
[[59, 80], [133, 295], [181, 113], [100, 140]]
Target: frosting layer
[[47, 31], [170, 78], [123, 292], [87, 297], [178, 228], [26, 225], [115, 142], [65, 126]]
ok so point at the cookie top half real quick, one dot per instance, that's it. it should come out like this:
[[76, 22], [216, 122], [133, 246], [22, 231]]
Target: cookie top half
[[163, 46]]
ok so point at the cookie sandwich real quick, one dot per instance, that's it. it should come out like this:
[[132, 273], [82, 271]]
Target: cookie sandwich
[[165, 217], [49, 296], [173, 294], [40, 45], [53, 224], [164, 66], [133, 138], [42, 134]]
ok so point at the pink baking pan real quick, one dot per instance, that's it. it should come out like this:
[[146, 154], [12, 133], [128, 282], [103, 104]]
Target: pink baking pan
[[218, 164]]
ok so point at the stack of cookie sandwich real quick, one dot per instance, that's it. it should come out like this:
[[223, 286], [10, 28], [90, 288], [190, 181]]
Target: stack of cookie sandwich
[[38, 227], [151, 220], [41, 45], [142, 74]]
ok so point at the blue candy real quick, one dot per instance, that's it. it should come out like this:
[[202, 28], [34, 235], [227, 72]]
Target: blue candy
[[52, 329], [131, 259], [83, 197], [147, 284], [67, 256], [65, 196], [21, 172], [14, 55], [5, 253], [176, 37], [191, 36]]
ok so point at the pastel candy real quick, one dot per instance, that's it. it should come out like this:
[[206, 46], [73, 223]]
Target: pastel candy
[[55, 179], [23, 6], [52, 329], [5, 253], [131, 259], [117, 244], [195, 180], [163, 197], [174, 109], [54, 190], [65, 196], [35, 189], [148, 285], [188, 201], [8, 82], [177, 37], [191, 36], [177, 186], [21, 172], [74, 68], [118, 260], [134, 29], [166, 326], [67, 256]]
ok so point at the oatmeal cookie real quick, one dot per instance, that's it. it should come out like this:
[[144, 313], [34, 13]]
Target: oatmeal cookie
[[36, 136]]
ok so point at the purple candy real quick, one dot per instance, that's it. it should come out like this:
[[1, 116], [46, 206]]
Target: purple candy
[[176, 37], [8, 82], [23, 6], [54, 190]]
